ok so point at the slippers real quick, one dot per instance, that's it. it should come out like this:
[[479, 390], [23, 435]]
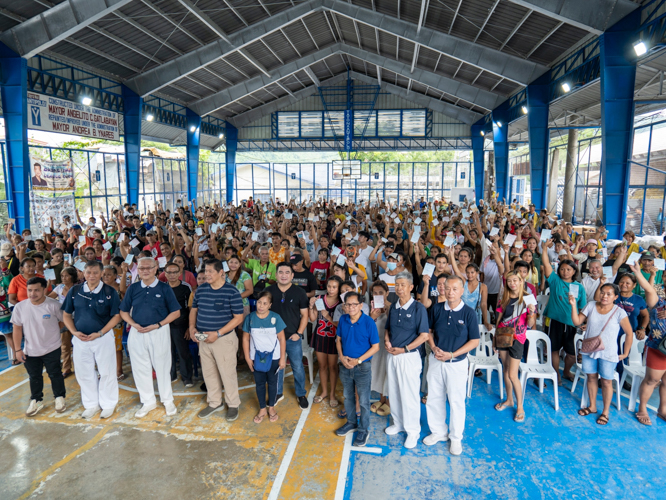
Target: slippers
[[520, 417], [259, 418], [502, 406], [384, 410], [602, 420], [645, 419], [334, 403], [663, 417], [15, 362], [375, 406], [273, 417], [584, 412], [424, 399], [121, 377], [342, 414], [317, 399]]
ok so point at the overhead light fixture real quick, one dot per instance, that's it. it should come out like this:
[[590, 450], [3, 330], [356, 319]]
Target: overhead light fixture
[[483, 133], [640, 48], [499, 124], [192, 128], [150, 117], [566, 87], [524, 110], [86, 101], [221, 136]]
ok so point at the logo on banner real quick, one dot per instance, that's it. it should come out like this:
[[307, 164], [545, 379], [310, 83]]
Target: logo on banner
[[36, 116]]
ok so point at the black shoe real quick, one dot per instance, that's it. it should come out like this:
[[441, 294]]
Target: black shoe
[[346, 429], [188, 383], [203, 387], [232, 414], [278, 398], [303, 402], [361, 438]]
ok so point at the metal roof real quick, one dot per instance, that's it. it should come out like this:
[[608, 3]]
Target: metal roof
[[226, 58]]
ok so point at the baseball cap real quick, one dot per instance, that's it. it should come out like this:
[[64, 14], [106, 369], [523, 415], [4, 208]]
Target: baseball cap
[[296, 258], [354, 243], [5, 249], [591, 241], [76, 226], [644, 256]]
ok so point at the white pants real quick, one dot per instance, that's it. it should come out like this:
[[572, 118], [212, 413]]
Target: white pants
[[404, 372], [447, 380], [102, 392], [151, 351]]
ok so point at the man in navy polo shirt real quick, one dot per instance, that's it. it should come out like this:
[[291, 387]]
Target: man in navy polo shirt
[[357, 341], [406, 329], [454, 332], [148, 307], [97, 312], [217, 309]]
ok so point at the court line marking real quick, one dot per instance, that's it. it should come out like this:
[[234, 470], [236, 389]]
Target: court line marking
[[7, 391], [291, 448], [344, 468], [8, 369], [369, 449]]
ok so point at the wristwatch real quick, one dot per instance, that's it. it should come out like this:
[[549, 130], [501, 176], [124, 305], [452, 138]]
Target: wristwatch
[[406, 348], [360, 361], [219, 334]]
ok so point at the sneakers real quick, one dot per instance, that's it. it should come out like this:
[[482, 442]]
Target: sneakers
[[411, 441], [393, 430], [90, 412], [203, 387], [145, 410], [34, 408], [303, 402], [232, 414], [361, 438], [60, 405], [188, 384], [170, 409], [455, 448], [107, 413], [279, 398], [434, 439], [209, 410], [346, 429]]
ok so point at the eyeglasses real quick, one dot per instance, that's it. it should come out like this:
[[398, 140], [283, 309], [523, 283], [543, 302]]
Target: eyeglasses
[[352, 304], [145, 268]]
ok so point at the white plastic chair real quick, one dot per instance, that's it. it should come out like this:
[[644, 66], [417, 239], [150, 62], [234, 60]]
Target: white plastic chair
[[635, 367], [616, 379], [308, 354], [534, 369], [482, 361], [10, 351], [542, 302], [578, 338]]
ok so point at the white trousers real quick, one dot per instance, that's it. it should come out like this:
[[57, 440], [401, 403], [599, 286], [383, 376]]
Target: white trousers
[[404, 372], [151, 351], [447, 381], [102, 391]]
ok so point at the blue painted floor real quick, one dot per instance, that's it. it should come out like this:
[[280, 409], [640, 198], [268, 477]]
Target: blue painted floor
[[551, 455]]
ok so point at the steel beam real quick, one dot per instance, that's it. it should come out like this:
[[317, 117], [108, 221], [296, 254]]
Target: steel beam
[[618, 76], [595, 16], [501, 147], [478, 158], [537, 123], [422, 15], [43, 31], [14, 96], [192, 149], [230, 159], [203, 17], [493, 61], [132, 120]]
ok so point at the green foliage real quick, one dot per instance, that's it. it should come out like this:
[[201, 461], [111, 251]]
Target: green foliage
[[400, 156]]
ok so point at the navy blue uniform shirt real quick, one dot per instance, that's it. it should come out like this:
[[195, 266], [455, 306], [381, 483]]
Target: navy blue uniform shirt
[[151, 304], [405, 324], [452, 328], [94, 308]]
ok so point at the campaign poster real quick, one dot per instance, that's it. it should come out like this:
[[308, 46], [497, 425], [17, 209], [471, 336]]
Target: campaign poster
[[50, 177], [53, 114]]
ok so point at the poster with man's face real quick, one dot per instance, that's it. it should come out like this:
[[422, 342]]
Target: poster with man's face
[[48, 177]]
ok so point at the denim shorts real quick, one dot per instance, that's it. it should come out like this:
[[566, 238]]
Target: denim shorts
[[605, 369]]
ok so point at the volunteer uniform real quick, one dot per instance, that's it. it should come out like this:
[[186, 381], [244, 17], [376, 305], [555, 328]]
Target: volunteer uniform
[[150, 305], [404, 325], [92, 310], [452, 329]]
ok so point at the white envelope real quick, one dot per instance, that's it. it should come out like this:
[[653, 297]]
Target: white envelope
[[660, 264], [378, 301], [530, 300], [319, 304], [335, 250], [449, 241], [546, 234], [494, 231], [633, 258], [608, 272], [225, 266], [415, 237], [134, 242], [49, 274], [428, 269], [80, 265], [341, 260], [107, 245], [129, 259], [199, 231], [255, 236], [121, 237], [435, 222], [244, 229], [288, 216], [573, 290], [82, 240], [509, 239], [162, 262]]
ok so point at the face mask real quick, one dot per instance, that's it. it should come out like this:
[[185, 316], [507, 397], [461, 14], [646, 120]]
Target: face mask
[[391, 266]]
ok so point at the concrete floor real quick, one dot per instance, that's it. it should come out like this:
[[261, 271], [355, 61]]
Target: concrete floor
[[552, 455]]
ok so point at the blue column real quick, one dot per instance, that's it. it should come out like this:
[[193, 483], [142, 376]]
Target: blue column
[[133, 106], [537, 123], [501, 146], [13, 91], [618, 76], [193, 136], [477, 151], [232, 146]]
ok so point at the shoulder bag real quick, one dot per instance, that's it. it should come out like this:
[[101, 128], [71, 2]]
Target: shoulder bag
[[504, 335], [595, 344]]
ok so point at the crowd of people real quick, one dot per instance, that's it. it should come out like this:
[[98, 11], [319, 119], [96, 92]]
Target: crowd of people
[[391, 297]]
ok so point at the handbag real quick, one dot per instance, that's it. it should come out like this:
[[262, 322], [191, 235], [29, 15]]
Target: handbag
[[504, 335], [595, 344], [264, 359]]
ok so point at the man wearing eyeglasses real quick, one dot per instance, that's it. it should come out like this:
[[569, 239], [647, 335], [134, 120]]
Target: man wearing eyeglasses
[[179, 336], [148, 307], [357, 341], [291, 303]]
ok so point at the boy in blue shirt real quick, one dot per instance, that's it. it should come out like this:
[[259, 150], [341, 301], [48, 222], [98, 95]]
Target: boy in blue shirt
[[357, 341]]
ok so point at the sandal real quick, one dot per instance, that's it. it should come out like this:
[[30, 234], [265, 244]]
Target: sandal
[[663, 417], [644, 419], [501, 406], [584, 412], [384, 410], [15, 362], [602, 420], [334, 403], [424, 399], [342, 413], [66, 374], [570, 379], [375, 406], [318, 399], [520, 417], [121, 377], [259, 418], [273, 417]]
